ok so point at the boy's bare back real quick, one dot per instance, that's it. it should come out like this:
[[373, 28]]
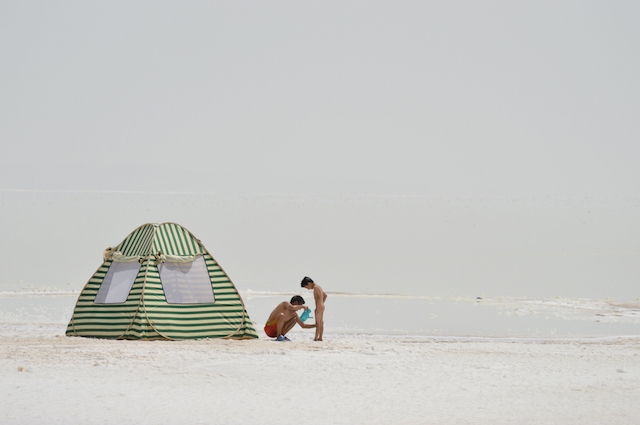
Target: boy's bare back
[[319, 295], [284, 307]]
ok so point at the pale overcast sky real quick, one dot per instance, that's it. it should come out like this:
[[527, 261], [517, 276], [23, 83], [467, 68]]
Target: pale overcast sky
[[455, 98]]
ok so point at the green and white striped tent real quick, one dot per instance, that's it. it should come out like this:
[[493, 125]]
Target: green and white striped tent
[[160, 283]]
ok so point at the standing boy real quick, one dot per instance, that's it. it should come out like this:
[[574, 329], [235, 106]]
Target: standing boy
[[320, 297]]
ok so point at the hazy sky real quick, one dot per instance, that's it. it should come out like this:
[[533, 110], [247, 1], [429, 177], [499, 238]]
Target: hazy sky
[[446, 99], [435, 98]]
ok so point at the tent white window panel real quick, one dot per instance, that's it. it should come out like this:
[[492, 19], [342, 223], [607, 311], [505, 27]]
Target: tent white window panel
[[117, 283], [186, 282]]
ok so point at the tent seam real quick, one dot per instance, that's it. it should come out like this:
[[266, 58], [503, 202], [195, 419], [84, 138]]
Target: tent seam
[[244, 308], [144, 306]]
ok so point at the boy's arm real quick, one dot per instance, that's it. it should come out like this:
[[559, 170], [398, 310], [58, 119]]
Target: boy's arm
[[304, 325], [294, 307]]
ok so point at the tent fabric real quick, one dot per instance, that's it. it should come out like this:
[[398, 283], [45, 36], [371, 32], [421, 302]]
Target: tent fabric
[[116, 256], [145, 312], [108, 253], [161, 258]]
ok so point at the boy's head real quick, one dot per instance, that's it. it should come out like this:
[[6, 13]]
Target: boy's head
[[297, 300], [306, 281]]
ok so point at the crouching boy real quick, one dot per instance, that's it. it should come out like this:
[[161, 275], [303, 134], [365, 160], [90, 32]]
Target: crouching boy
[[284, 317]]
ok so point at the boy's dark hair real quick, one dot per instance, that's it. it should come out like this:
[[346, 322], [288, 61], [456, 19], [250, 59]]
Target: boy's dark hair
[[297, 299], [306, 280]]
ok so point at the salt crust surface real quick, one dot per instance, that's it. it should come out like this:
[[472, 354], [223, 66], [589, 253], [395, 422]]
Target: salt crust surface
[[348, 379]]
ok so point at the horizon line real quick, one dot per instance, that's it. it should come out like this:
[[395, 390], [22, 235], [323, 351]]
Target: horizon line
[[322, 194]]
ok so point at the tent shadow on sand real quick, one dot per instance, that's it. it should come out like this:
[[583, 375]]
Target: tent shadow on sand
[[160, 283]]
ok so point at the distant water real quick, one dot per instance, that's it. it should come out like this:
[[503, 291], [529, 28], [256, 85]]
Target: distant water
[[536, 248], [48, 312]]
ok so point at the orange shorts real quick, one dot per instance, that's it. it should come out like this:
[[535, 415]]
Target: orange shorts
[[271, 329]]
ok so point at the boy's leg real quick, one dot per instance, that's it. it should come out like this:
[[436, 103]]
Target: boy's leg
[[280, 325], [288, 325], [319, 324]]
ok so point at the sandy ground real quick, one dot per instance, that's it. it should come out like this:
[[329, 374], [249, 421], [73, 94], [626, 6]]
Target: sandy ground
[[52, 379]]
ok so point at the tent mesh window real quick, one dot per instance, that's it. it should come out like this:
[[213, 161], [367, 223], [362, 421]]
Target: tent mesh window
[[117, 283], [186, 283]]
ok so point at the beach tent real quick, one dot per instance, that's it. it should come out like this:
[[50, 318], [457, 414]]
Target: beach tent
[[160, 283]]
